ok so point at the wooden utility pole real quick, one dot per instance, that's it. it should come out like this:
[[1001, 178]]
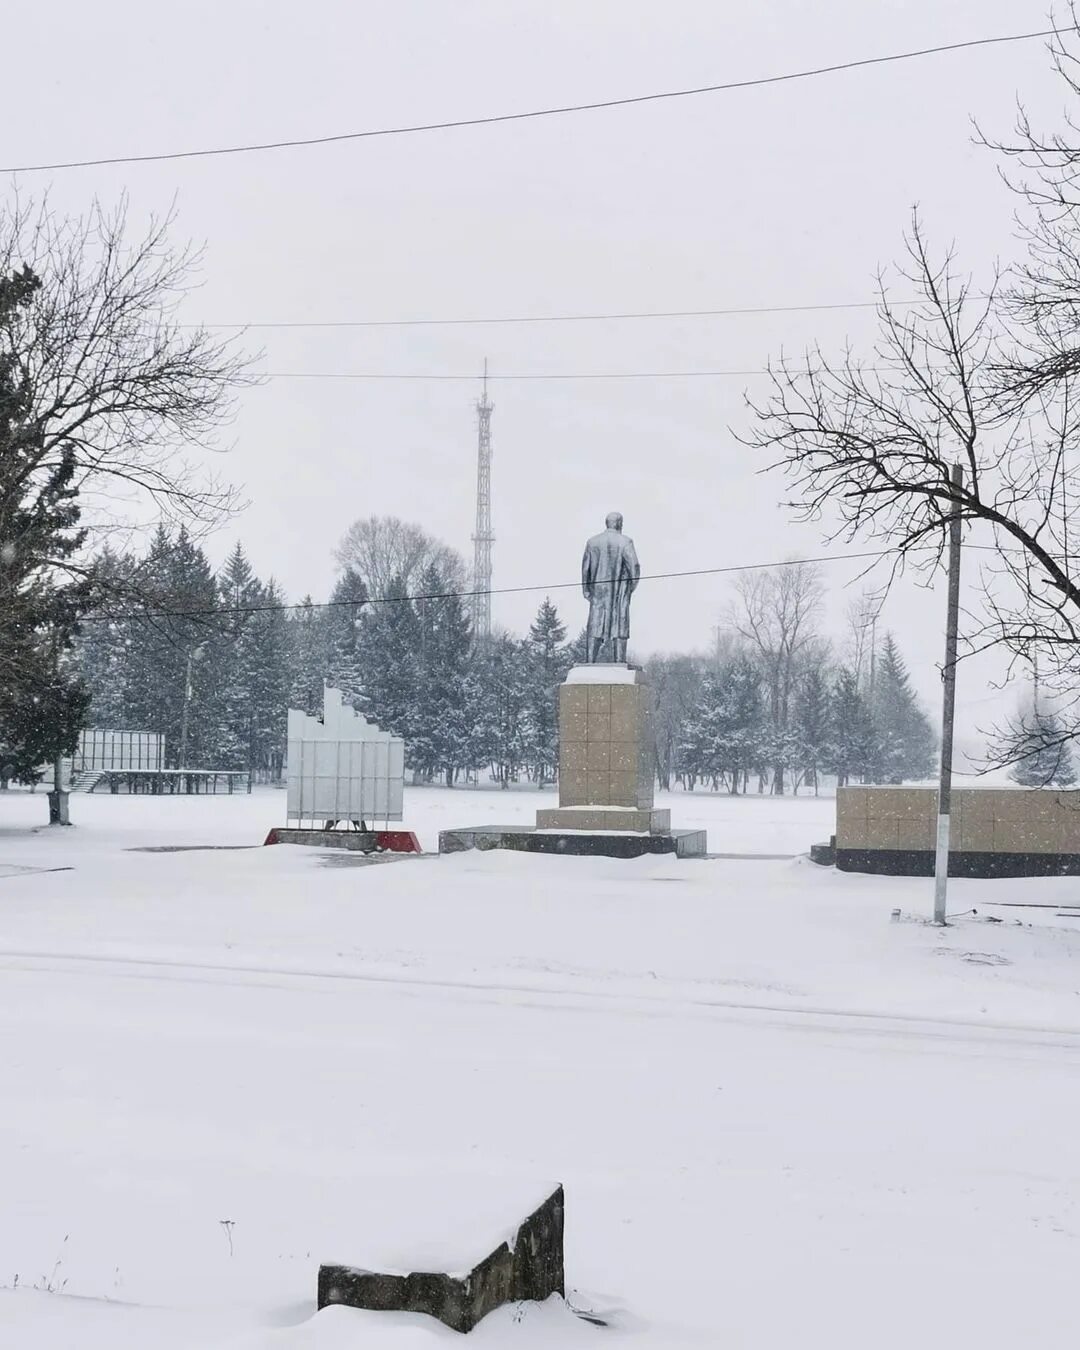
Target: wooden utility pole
[[941, 859]]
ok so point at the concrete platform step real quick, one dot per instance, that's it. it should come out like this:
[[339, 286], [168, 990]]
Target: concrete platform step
[[578, 843]]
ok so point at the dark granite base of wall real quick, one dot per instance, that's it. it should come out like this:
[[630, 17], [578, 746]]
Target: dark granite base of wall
[[899, 862], [580, 843]]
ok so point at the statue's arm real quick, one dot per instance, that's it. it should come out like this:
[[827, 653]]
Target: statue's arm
[[586, 576], [633, 566]]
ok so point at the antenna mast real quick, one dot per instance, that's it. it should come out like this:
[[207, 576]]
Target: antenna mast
[[483, 538]]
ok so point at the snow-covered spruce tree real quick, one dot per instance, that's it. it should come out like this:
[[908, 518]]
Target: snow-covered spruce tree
[[267, 643], [388, 648], [851, 733], [904, 737], [342, 624], [743, 728], [308, 658], [724, 738], [547, 664], [172, 685], [103, 641], [577, 649], [42, 702], [1037, 745], [479, 715], [229, 655], [697, 737], [501, 670], [442, 662], [812, 725]]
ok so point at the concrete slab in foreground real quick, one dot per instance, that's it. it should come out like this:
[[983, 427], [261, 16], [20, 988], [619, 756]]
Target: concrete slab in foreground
[[530, 1267], [574, 843]]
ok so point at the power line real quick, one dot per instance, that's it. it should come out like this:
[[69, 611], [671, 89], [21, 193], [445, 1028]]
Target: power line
[[534, 113], [560, 375], [557, 318], [469, 595]]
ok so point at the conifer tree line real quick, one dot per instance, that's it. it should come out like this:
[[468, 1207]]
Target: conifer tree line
[[777, 706], [204, 658], [718, 724], [212, 661]]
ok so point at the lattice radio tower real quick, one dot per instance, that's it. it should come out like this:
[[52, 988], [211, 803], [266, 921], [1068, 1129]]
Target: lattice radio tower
[[483, 538]]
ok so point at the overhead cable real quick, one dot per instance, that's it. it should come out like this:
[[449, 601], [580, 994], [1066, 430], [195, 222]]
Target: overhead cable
[[555, 318], [468, 595], [461, 122], [543, 375]]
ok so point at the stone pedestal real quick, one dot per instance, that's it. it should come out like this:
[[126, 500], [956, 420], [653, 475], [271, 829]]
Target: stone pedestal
[[605, 754], [605, 779]]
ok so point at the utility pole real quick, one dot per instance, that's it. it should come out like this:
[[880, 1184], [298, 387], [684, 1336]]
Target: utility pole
[[941, 859], [483, 538]]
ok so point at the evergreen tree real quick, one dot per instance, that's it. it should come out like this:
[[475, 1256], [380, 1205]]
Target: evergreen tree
[[725, 737], [442, 658], [308, 657], [904, 738], [388, 648], [103, 642], [42, 723], [267, 644], [577, 650], [499, 701], [231, 657], [546, 666], [741, 731], [812, 725], [851, 733], [42, 702], [173, 678], [1040, 751], [342, 624]]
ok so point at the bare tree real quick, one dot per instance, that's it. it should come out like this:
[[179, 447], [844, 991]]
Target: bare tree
[[114, 378], [104, 396], [386, 551], [1042, 299], [862, 617], [869, 445], [676, 683], [776, 615]]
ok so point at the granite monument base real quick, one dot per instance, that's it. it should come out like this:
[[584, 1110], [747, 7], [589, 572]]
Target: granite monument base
[[574, 843], [604, 818], [606, 773]]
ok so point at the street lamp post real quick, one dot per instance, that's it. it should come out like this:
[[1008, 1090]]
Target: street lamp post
[[194, 653]]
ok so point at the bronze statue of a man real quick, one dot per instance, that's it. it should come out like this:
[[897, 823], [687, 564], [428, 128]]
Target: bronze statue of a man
[[609, 576]]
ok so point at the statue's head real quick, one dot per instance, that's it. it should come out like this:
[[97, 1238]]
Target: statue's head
[[614, 520]]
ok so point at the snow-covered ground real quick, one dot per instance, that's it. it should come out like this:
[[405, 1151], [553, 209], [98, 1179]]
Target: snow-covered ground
[[783, 1120]]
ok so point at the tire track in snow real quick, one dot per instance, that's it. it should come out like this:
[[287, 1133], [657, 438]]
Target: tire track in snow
[[549, 996]]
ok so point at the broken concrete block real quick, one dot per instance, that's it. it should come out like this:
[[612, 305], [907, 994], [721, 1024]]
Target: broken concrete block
[[528, 1268]]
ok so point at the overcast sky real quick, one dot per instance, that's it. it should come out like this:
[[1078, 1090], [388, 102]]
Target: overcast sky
[[784, 195]]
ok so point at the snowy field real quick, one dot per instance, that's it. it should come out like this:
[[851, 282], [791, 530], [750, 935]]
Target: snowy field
[[783, 1121]]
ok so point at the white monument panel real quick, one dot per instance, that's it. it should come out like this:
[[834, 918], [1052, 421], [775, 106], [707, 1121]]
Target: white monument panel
[[343, 767]]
